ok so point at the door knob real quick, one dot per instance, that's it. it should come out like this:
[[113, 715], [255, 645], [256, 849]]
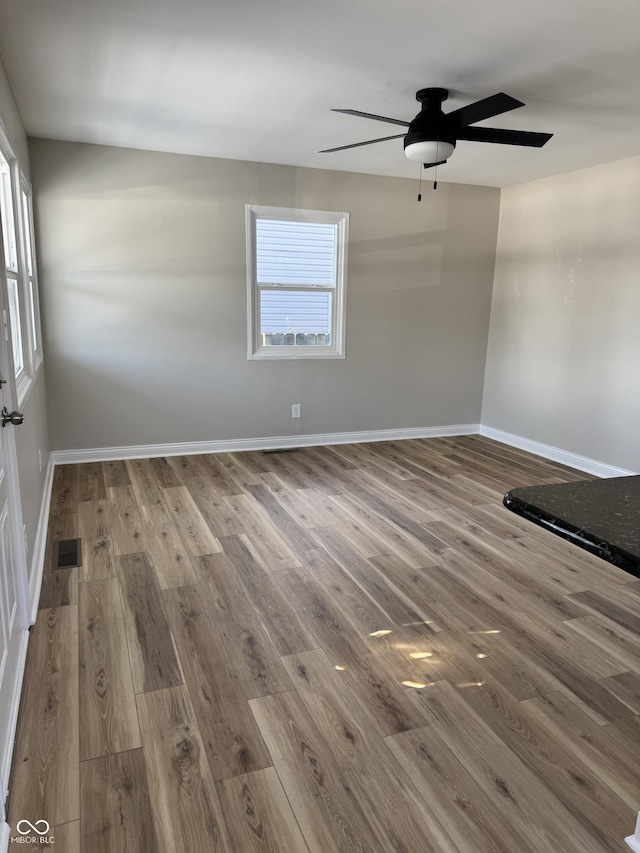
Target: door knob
[[8, 417]]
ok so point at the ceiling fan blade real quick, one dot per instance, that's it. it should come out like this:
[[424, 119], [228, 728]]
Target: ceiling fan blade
[[358, 144], [371, 115], [429, 165], [505, 137], [494, 105]]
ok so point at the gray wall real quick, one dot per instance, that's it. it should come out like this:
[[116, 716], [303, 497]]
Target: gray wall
[[32, 436], [142, 267], [563, 362]]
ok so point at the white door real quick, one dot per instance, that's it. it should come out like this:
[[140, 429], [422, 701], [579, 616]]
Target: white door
[[14, 614]]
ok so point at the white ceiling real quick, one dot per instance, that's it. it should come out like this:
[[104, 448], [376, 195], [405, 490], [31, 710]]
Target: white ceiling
[[256, 79]]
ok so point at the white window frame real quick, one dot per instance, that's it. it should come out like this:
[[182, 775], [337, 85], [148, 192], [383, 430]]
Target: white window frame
[[32, 302], [23, 278], [255, 348]]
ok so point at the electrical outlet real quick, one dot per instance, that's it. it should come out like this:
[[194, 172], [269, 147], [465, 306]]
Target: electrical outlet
[[296, 410]]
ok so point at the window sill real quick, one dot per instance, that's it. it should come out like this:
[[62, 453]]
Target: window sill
[[288, 353]]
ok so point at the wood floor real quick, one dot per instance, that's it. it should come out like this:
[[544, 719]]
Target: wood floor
[[349, 648]]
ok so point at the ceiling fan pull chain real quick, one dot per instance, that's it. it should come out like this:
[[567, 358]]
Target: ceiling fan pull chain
[[420, 185], [435, 174]]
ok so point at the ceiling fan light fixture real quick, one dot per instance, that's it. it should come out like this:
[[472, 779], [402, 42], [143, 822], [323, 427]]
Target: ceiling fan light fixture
[[429, 151]]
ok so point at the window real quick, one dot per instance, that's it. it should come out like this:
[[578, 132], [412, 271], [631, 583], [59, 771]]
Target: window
[[296, 274], [29, 276], [22, 317]]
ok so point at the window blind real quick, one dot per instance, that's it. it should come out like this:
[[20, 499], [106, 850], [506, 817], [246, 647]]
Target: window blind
[[292, 311], [300, 254]]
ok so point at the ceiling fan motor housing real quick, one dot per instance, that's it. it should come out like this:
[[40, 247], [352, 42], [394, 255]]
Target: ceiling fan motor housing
[[426, 126]]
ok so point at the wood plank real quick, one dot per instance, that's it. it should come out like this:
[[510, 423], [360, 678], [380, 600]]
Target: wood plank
[[108, 717], [91, 486], [304, 505], [394, 508], [222, 482], [232, 741], [615, 763], [64, 492], [194, 477], [115, 473], [165, 474], [278, 615], [125, 523], [184, 802], [402, 503], [546, 612], [223, 593], [251, 520], [626, 735], [67, 837], [501, 793], [146, 486], [461, 622], [372, 536], [548, 757], [97, 551], [196, 536], [368, 456], [539, 645], [559, 558], [116, 809], [249, 658], [154, 663], [45, 777], [626, 688], [410, 581], [364, 615], [277, 463], [396, 605], [295, 536], [373, 776], [170, 559], [319, 473], [258, 814], [241, 467], [603, 605], [476, 550], [620, 644], [327, 812], [394, 709]]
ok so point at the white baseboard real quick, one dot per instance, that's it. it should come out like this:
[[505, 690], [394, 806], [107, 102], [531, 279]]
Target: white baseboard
[[37, 559], [147, 451], [633, 841], [572, 460]]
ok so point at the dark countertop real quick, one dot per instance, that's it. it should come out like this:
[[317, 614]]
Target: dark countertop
[[602, 516]]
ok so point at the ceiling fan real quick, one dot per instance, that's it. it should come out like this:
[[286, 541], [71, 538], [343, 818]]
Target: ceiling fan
[[432, 135]]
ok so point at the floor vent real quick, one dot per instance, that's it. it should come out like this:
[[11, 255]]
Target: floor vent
[[282, 450], [67, 553]]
